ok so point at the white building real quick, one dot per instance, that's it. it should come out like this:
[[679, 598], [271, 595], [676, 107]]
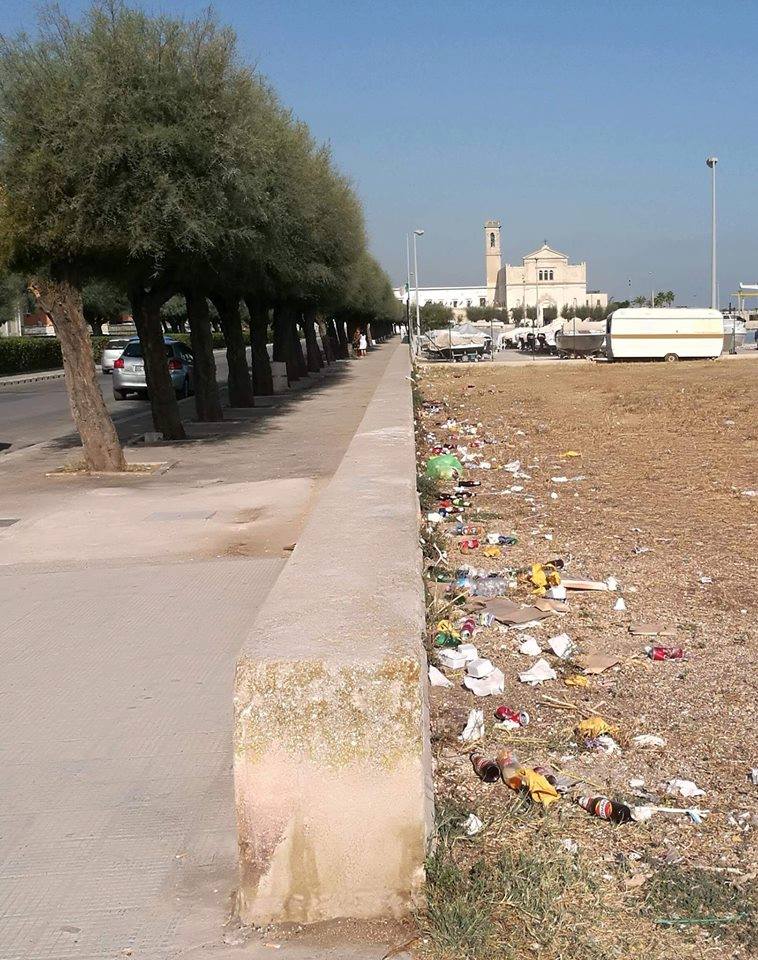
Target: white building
[[457, 298], [545, 277]]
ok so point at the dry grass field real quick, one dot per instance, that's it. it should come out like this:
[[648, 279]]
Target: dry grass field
[[668, 454]]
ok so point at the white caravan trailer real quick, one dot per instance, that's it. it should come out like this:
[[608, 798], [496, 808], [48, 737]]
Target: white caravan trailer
[[664, 334]]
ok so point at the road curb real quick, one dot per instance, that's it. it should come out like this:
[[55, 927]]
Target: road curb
[[12, 381]]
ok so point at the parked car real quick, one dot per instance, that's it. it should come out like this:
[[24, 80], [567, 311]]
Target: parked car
[[111, 352], [129, 369]]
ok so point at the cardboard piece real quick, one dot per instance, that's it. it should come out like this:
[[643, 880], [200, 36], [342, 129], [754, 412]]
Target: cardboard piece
[[553, 606], [584, 584], [506, 611], [593, 663]]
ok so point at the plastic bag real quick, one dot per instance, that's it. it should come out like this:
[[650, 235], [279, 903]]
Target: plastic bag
[[444, 467]]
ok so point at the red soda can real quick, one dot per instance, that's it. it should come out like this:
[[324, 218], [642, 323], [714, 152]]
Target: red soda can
[[466, 628], [665, 653], [486, 769], [470, 543], [520, 717]]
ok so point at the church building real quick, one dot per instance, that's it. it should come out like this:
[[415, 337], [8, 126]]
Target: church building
[[544, 277]]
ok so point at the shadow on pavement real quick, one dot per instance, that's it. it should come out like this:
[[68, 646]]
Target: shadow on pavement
[[238, 421]]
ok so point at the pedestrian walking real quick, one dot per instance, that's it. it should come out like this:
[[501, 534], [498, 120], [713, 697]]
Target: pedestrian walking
[[362, 345]]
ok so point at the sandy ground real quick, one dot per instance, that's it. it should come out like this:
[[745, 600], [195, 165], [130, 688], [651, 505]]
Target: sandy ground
[[657, 499]]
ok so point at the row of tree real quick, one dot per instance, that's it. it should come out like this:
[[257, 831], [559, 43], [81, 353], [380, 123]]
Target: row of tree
[[139, 156], [663, 298]]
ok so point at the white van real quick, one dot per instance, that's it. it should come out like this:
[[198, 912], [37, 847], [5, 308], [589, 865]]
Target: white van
[[664, 334]]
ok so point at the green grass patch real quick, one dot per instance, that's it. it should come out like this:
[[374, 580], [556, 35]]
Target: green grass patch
[[692, 898]]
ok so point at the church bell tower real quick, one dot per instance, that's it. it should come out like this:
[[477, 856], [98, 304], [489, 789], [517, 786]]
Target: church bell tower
[[492, 256]]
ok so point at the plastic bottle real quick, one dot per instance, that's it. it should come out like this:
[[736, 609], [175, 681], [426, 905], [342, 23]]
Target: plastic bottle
[[491, 587], [665, 653], [606, 809], [486, 769], [508, 764]]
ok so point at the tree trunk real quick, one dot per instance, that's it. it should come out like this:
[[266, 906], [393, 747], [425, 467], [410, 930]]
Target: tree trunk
[[297, 347], [326, 342], [62, 301], [262, 381], [284, 351], [96, 325], [334, 340], [352, 327], [311, 343], [146, 311], [207, 400], [344, 351], [240, 384]]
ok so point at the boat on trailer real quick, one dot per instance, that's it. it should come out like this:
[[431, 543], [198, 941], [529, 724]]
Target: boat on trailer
[[581, 337]]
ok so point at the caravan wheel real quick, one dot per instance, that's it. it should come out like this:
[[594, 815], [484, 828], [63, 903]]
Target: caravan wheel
[[671, 357]]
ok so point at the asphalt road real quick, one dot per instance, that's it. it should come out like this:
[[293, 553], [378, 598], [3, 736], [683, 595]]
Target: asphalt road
[[39, 411]]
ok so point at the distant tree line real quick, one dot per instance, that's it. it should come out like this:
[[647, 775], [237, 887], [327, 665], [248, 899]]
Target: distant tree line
[[141, 161]]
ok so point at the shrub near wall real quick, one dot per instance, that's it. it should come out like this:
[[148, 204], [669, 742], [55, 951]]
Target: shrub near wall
[[27, 354], [30, 354]]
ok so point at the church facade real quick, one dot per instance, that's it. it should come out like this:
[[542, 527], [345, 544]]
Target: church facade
[[544, 278]]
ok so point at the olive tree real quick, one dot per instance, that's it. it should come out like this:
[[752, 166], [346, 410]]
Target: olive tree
[[44, 85]]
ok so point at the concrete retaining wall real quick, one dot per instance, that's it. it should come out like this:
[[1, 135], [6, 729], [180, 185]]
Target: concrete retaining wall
[[332, 760]]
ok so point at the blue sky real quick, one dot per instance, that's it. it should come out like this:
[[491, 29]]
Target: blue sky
[[581, 122]]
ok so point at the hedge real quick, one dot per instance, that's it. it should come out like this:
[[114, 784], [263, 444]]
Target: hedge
[[30, 354]]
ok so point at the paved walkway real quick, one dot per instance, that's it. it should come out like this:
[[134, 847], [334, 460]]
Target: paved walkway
[[124, 605]]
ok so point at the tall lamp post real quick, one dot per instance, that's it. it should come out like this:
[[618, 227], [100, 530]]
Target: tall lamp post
[[408, 292], [711, 162], [416, 235]]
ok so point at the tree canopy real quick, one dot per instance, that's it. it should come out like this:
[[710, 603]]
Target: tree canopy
[[433, 316], [144, 145]]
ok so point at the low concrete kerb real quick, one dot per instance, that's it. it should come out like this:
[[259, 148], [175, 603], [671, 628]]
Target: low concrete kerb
[[14, 381], [331, 741]]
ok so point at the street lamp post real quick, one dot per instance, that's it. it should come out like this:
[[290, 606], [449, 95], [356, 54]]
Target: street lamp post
[[416, 235], [408, 293], [711, 162]]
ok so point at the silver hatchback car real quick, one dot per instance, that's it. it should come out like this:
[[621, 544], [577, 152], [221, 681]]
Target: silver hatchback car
[[111, 352], [129, 369]]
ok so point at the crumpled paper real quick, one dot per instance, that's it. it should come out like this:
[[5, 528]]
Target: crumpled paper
[[474, 729], [539, 673], [486, 686]]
